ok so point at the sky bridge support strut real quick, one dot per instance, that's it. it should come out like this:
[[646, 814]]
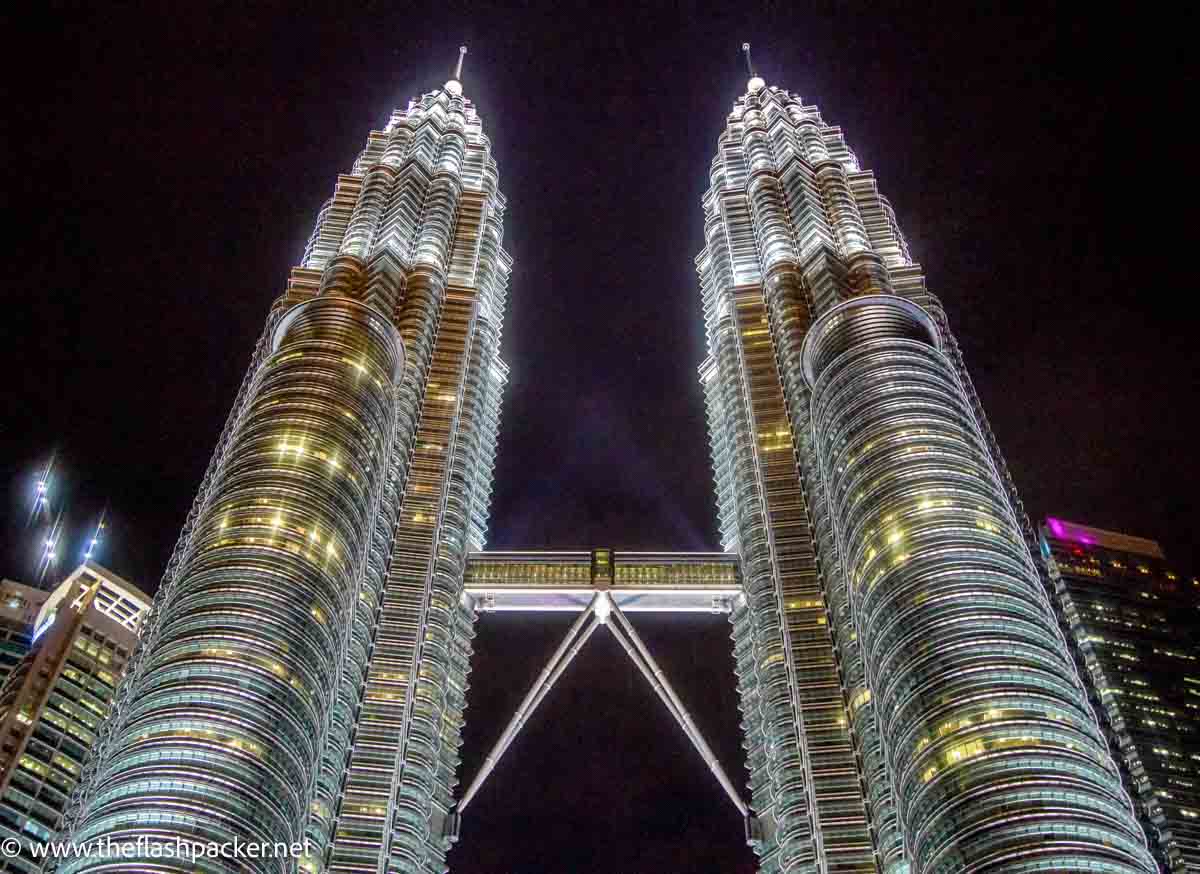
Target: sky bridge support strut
[[599, 612]]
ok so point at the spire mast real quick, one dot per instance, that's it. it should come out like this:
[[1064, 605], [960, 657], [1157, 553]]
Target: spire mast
[[454, 86], [756, 82]]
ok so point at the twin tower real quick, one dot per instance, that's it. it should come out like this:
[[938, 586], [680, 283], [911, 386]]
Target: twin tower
[[908, 699]]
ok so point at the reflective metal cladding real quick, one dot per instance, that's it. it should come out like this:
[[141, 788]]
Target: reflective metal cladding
[[993, 751], [302, 672], [223, 734], [910, 705], [886, 557]]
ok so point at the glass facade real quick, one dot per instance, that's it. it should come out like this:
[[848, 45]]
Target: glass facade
[[19, 607], [54, 700], [224, 727], [1135, 626], [302, 674], [910, 701], [561, 570]]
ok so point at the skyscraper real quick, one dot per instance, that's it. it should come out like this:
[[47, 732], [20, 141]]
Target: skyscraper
[[304, 660], [910, 701], [1136, 624], [55, 699]]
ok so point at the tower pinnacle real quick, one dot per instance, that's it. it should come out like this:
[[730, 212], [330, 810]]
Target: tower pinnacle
[[454, 86], [756, 83]]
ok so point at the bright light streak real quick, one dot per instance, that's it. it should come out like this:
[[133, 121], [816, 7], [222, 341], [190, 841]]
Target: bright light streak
[[95, 541], [603, 607], [49, 551], [41, 497]]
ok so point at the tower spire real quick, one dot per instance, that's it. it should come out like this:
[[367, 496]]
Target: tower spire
[[756, 82], [454, 86]]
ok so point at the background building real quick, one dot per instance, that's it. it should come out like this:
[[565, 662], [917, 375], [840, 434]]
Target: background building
[[55, 698], [1136, 625], [19, 607]]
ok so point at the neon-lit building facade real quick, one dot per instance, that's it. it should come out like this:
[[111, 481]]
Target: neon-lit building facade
[[909, 701], [1135, 623]]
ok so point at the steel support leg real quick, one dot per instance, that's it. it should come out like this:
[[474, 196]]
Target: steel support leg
[[562, 657], [632, 644]]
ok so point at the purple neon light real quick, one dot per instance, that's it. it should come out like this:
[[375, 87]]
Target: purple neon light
[[1067, 531]]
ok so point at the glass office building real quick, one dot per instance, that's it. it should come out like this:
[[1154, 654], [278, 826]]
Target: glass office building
[[1135, 623], [909, 699], [56, 696], [302, 674], [19, 606]]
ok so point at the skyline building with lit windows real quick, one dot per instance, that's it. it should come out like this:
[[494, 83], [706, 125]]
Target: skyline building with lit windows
[[55, 698], [909, 701], [19, 606], [302, 673], [1135, 623]]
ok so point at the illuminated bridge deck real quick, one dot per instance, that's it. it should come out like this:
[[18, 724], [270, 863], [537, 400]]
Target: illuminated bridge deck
[[674, 582]]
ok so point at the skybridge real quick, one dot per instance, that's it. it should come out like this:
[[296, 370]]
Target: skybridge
[[637, 582], [602, 586]]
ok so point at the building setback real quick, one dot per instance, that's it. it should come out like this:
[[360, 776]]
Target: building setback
[[1136, 625], [55, 698]]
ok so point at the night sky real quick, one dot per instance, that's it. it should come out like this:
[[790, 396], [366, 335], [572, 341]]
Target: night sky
[[165, 166]]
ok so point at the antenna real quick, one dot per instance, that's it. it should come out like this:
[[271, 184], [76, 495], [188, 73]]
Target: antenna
[[755, 84], [454, 86]]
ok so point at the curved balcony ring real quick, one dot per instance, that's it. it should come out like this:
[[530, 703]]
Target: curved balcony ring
[[371, 319]]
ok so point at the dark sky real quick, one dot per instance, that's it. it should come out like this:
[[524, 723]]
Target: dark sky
[[165, 164]]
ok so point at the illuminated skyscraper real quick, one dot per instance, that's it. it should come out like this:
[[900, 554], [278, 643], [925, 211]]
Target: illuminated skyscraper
[[305, 659], [909, 700], [54, 700], [19, 606], [1136, 624]]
